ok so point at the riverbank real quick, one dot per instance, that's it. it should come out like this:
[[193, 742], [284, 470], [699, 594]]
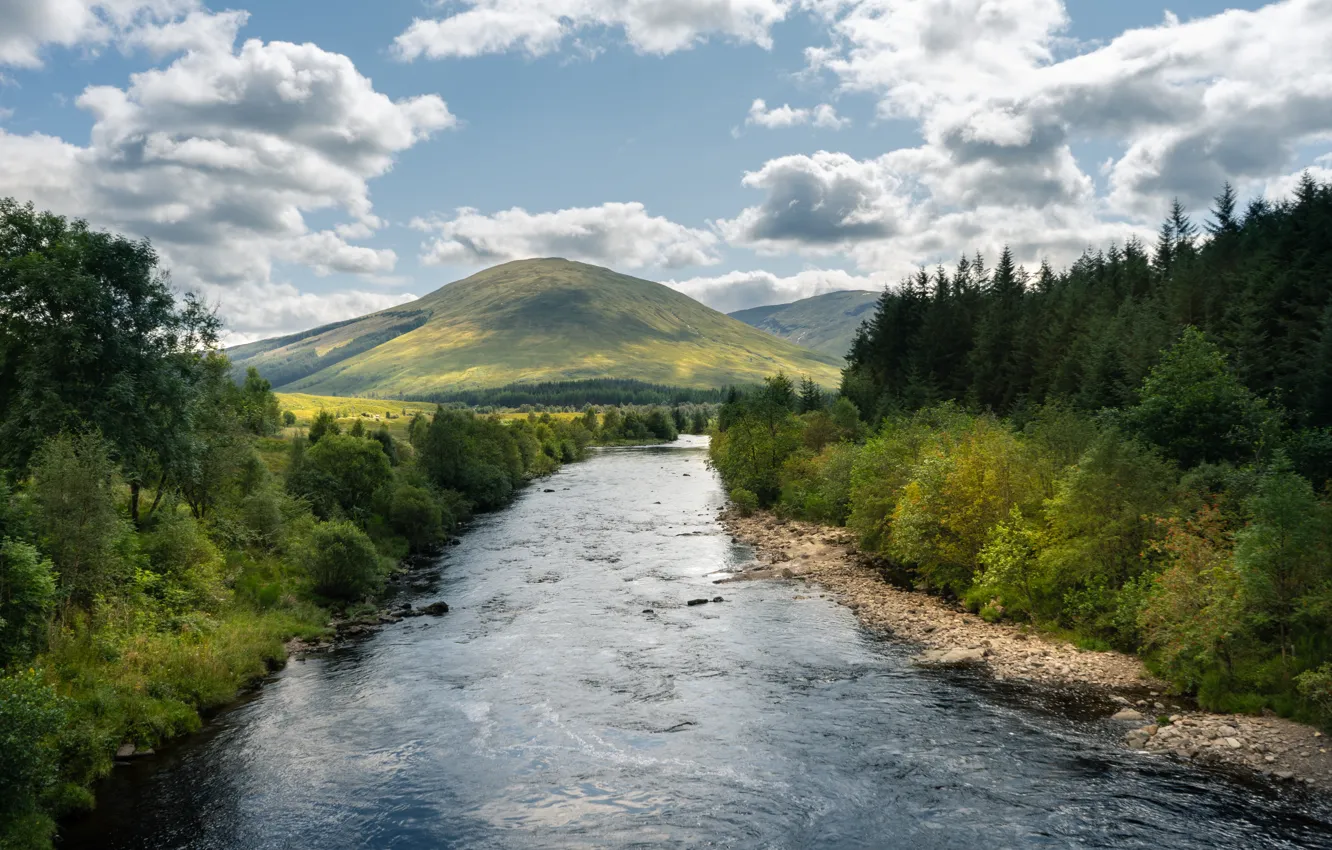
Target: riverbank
[[800, 551]]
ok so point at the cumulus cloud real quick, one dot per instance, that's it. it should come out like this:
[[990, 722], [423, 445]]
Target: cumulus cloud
[[1230, 96], [537, 27], [29, 26], [739, 290], [219, 156], [819, 202], [823, 115], [1002, 98], [618, 234]]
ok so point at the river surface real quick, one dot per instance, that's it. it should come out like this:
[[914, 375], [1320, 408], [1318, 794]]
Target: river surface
[[547, 710]]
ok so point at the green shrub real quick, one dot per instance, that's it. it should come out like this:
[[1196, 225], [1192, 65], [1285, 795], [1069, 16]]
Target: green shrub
[[31, 716], [342, 472], [342, 562], [187, 561], [746, 503], [27, 595], [1316, 687], [416, 515]]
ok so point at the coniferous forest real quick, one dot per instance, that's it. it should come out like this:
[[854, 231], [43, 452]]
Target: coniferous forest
[[1135, 451]]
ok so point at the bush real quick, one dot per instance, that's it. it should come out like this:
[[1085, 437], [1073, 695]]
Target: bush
[[27, 595], [31, 715], [416, 515], [189, 565], [344, 472], [1316, 687], [746, 503], [342, 562], [77, 516]]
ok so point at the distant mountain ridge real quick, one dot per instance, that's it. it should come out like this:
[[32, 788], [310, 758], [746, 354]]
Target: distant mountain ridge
[[530, 321], [826, 323]]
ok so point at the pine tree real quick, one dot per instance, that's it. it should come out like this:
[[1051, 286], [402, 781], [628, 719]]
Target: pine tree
[[1223, 221], [811, 397]]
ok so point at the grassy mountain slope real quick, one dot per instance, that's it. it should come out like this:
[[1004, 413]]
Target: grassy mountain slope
[[525, 321], [825, 323]]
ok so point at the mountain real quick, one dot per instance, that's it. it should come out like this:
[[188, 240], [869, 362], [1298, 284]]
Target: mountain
[[824, 323], [527, 321]]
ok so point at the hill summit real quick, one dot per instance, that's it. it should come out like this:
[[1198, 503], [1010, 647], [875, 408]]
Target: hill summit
[[530, 321]]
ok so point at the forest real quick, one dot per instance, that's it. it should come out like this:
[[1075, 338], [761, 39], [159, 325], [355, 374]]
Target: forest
[[1133, 452], [160, 538], [575, 394]]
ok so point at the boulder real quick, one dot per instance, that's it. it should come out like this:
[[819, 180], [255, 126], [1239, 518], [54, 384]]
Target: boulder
[[694, 602], [956, 656], [718, 599], [125, 751], [1129, 715], [436, 609]]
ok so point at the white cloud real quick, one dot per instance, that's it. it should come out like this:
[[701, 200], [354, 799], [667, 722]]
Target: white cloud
[[28, 26], [823, 115], [818, 203], [260, 310], [1230, 96], [615, 234], [1283, 188], [739, 290], [1002, 99], [219, 156], [538, 27]]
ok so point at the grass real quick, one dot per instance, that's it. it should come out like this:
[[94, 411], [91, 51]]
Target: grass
[[541, 320], [826, 323], [305, 406], [128, 680]]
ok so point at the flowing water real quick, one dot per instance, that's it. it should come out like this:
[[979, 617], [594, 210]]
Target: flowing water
[[547, 710]]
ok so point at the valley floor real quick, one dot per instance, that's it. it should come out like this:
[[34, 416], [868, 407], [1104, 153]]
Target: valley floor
[[1284, 750]]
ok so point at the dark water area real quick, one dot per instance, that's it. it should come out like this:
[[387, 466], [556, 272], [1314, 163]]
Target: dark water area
[[546, 710]]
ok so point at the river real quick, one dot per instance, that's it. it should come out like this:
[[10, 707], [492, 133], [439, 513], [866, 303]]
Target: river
[[547, 710]]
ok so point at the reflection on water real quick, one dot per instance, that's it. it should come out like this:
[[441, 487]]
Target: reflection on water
[[546, 710]]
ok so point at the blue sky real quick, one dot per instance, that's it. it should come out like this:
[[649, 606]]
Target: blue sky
[[353, 155]]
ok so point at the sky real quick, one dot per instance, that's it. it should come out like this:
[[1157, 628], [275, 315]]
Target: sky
[[298, 162]]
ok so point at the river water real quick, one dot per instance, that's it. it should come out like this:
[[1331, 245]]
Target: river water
[[546, 710]]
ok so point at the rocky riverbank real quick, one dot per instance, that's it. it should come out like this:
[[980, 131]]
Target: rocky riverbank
[[799, 551]]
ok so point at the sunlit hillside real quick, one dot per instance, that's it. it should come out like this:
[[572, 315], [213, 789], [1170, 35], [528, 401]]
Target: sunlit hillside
[[530, 321]]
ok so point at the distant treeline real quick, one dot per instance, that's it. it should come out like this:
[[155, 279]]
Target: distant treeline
[[576, 394]]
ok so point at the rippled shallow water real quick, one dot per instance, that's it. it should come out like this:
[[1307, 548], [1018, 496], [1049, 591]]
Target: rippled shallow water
[[547, 711]]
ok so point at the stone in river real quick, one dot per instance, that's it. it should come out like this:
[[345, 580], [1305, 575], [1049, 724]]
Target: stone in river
[[436, 609], [718, 599], [951, 656], [125, 751], [697, 602]]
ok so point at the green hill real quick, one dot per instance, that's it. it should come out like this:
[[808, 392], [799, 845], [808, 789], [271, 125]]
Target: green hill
[[528, 321], [824, 323]]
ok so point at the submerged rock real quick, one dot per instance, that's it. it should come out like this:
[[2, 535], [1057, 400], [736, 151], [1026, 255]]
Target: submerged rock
[[436, 609], [694, 602]]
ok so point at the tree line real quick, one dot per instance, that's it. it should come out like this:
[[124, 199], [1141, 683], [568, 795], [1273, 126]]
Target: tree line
[[573, 395], [1134, 451]]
